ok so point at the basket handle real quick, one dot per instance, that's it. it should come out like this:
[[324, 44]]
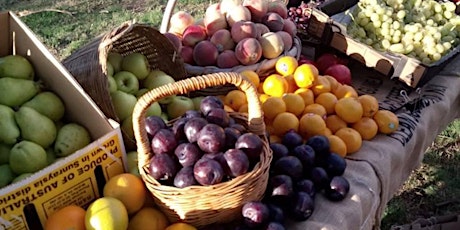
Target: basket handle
[[255, 116], [167, 16]]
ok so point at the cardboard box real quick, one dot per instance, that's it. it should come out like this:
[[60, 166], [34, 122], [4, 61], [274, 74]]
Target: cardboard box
[[78, 178], [396, 66]]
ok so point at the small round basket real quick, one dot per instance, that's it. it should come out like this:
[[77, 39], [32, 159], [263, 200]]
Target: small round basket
[[204, 205], [263, 68]]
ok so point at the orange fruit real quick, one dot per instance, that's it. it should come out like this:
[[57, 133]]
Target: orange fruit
[[332, 81], [148, 216], [127, 188], [387, 121], [275, 85], [273, 106], [311, 124], [316, 109], [235, 99], [349, 109], [321, 85], [294, 103], [252, 76], [337, 145], [228, 108], [71, 217], [260, 88], [307, 95], [284, 122], [370, 105], [106, 213], [180, 226], [325, 132], [263, 97], [243, 108], [328, 101], [334, 123], [305, 75], [366, 127], [351, 138], [345, 91], [292, 86], [286, 65]]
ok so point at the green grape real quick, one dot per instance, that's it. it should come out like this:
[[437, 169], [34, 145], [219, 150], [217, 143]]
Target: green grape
[[408, 48], [440, 48], [447, 45], [449, 6], [436, 57], [448, 14], [401, 14], [426, 61], [377, 24], [369, 41], [418, 36], [385, 43], [438, 17], [396, 25], [396, 39], [396, 48], [437, 7]]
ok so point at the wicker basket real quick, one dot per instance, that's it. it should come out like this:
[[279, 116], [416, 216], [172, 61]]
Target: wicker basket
[[263, 68], [203, 205]]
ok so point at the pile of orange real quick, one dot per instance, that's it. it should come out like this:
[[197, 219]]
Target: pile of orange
[[296, 97]]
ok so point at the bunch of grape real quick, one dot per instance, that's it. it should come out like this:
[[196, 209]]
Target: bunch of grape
[[422, 29], [300, 14]]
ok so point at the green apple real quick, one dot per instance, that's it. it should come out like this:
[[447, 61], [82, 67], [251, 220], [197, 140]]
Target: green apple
[[157, 78], [123, 103], [141, 92], [126, 82], [165, 117], [114, 59], [136, 63], [154, 109], [112, 84], [178, 106], [197, 102], [132, 161], [127, 127], [110, 71], [16, 66]]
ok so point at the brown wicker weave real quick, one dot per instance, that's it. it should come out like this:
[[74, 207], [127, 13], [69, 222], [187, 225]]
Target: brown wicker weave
[[203, 205]]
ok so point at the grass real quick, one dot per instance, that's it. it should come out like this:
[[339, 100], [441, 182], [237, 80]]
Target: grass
[[66, 25]]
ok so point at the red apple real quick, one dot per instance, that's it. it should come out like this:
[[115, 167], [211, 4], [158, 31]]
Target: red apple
[[340, 72], [325, 61], [304, 60]]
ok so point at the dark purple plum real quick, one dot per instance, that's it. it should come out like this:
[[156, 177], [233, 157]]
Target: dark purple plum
[[251, 144], [255, 214], [320, 144], [164, 141], [192, 113], [276, 213], [185, 177], [208, 171], [320, 178], [231, 135], [307, 186], [338, 189], [306, 155], [288, 165], [153, 124], [274, 226], [192, 128], [178, 128], [279, 150], [187, 153], [163, 167], [211, 138], [335, 165], [303, 206], [280, 190], [237, 162], [219, 117], [239, 127], [209, 103], [291, 139]]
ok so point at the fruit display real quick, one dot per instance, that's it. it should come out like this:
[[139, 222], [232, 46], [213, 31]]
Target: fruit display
[[424, 30], [233, 33], [34, 132]]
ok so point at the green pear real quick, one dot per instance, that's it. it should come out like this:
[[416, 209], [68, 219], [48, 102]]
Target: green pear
[[16, 66], [27, 157], [5, 153], [127, 127], [9, 130], [114, 59], [123, 103], [70, 138], [21, 177], [6, 175], [35, 127], [15, 91], [50, 155], [48, 104]]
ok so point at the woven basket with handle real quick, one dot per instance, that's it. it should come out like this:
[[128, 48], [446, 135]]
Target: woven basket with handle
[[263, 68], [204, 205]]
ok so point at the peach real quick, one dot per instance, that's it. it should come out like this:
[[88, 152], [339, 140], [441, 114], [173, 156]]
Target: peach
[[175, 40], [272, 45], [238, 13], [227, 59], [193, 34], [179, 21], [258, 8], [213, 19], [290, 27], [287, 39], [243, 29], [205, 53], [273, 21], [227, 5], [261, 29], [199, 22], [186, 53], [278, 7], [248, 51], [222, 39]]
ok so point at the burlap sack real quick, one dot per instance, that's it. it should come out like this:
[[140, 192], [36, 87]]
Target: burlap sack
[[381, 167]]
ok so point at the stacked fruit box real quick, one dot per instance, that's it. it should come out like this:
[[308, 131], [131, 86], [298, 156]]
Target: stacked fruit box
[[76, 177]]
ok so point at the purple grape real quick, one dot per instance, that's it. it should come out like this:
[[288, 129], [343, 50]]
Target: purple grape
[[255, 214], [288, 165], [164, 141], [192, 113], [276, 213], [306, 155], [162, 167], [178, 128], [239, 127], [209, 103], [219, 117], [231, 135], [320, 178], [306, 186], [338, 189], [251, 144], [303, 206], [211, 138], [153, 124], [237, 162], [192, 128], [335, 165], [279, 150], [185, 177], [292, 139], [320, 144], [274, 226], [280, 190], [187, 153], [208, 171]]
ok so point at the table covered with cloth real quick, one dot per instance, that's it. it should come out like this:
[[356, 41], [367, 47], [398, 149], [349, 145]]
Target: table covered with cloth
[[379, 169]]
